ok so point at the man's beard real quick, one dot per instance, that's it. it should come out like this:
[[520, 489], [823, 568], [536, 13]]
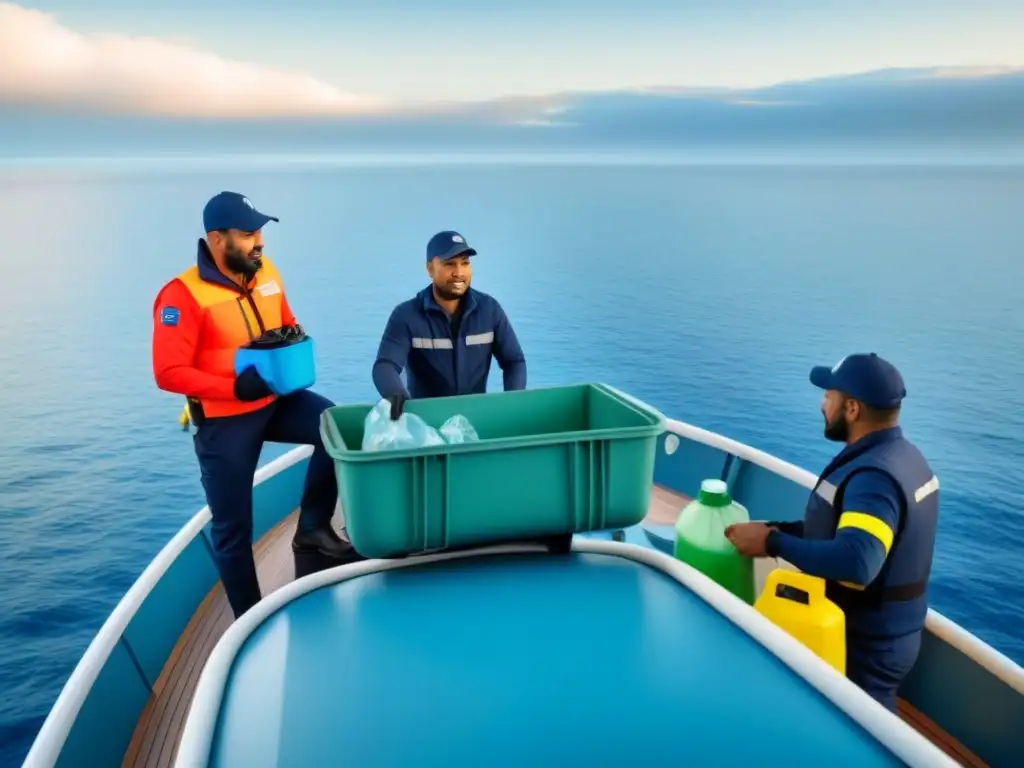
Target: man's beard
[[838, 430], [449, 295], [240, 263]]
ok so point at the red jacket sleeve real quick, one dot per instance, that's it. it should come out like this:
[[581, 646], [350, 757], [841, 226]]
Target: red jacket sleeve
[[177, 323]]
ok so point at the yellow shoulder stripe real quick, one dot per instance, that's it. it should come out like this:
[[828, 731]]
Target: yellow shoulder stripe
[[869, 524]]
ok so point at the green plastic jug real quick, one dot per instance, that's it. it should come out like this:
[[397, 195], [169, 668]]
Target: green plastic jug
[[701, 542]]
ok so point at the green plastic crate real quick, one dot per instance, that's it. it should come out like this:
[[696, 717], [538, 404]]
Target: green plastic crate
[[549, 461]]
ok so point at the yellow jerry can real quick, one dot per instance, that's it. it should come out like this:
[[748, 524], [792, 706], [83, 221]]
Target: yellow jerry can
[[796, 602]]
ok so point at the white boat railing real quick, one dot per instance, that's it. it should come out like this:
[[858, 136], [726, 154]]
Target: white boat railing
[[906, 743], [945, 629], [55, 729]]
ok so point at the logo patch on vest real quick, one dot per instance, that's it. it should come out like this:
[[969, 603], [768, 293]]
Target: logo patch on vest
[[170, 315], [269, 289]]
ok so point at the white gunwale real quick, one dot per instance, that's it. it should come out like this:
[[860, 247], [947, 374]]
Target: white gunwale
[[887, 727]]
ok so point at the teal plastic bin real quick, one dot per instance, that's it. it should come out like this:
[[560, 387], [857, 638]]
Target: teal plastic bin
[[549, 461]]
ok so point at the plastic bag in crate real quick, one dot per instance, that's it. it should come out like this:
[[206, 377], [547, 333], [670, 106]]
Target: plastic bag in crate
[[380, 433], [457, 429]]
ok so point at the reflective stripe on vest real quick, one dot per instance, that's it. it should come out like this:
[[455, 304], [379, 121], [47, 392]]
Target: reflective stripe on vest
[[473, 340], [909, 548], [421, 343], [231, 319]]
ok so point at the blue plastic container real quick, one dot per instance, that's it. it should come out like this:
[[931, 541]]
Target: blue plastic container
[[286, 369]]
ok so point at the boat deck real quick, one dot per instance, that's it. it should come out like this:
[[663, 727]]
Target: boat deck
[[504, 656], [156, 736]]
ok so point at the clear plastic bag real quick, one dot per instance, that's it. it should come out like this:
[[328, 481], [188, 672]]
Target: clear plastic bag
[[457, 429], [380, 433]]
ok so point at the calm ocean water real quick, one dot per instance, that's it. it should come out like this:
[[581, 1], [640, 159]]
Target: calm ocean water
[[707, 291]]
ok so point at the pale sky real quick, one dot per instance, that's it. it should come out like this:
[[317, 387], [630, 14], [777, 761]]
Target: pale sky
[[333, 56]]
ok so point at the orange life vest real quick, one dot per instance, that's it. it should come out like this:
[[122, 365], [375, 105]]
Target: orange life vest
[[231, 319]]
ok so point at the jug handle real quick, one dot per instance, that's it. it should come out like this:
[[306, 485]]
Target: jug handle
[[811, 586], [793, 594]]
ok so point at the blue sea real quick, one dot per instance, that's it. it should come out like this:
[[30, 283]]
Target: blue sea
[[708, 290]]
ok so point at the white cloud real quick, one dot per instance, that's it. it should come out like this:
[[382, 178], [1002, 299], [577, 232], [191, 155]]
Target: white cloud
[[45, 63], [764, 103], [547, 118], [974, 72]]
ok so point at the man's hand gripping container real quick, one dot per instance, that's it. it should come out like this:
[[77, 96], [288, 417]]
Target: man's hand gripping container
[[549, 462]]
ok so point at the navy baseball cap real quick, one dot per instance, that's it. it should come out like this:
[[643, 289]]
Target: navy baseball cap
[[231, 210], [447, 245], [865, 377]]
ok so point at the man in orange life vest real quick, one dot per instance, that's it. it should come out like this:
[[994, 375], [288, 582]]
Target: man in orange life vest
[[200, 319]]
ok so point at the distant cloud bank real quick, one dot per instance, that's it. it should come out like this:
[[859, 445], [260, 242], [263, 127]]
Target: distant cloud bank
[[125, 86], [43, 63]]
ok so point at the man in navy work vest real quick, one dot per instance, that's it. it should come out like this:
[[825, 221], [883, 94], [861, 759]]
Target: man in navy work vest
[[445, 336], [869, 527]]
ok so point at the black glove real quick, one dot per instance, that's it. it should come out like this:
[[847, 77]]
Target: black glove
[[249, 385], [397, 405]]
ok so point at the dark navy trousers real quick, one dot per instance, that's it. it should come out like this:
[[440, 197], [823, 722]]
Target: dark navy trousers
[[879, 665], [228, 449]]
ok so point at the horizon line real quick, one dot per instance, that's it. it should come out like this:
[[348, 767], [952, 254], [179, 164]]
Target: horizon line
[[254, 162]]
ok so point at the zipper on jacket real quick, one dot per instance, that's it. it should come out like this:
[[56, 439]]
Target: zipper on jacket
[[455, 352], [463, 313]]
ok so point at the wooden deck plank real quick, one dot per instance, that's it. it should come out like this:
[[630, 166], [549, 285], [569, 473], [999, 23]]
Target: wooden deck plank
[[937, 736], [155, 740], [665, 506]]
